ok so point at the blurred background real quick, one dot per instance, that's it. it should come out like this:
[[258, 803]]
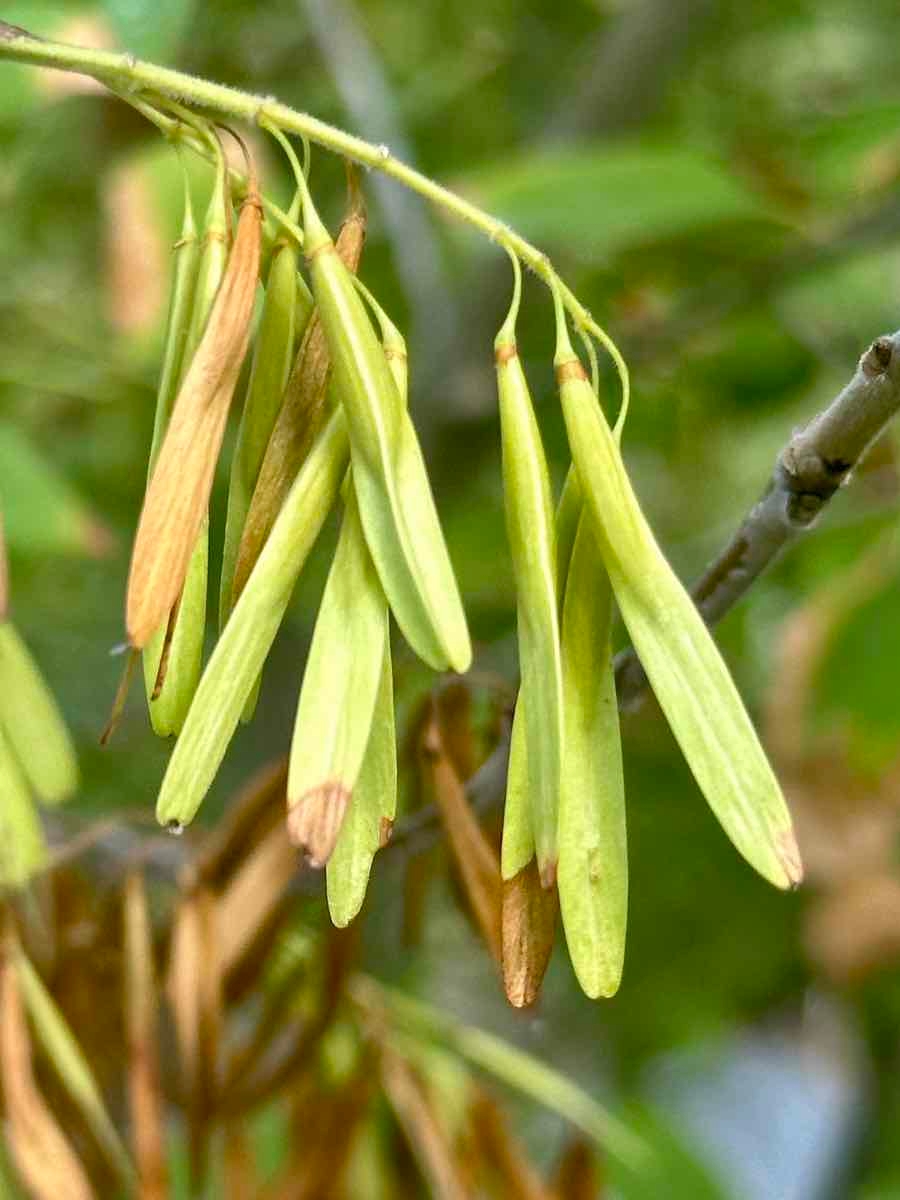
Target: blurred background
[[718, 181]]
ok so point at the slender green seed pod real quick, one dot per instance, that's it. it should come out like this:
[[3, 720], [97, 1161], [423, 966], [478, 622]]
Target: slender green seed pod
[[22, 849], [517, 849], [532, 540], [178, 325], [183, 643], [684, 666], [340, 688], [593, 857], [62, 1050], [396, 504], [272, 358], [32, 722], [300, 416], [370, 814], [568, 518], [239, 655]]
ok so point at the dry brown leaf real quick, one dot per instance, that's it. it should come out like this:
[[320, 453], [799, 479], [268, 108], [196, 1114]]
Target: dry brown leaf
[[259, 804], [475, 859], [301, 414], [529, 928], [178, 493], [512, 1173], [141, 1020], [577, 1175], [254, 894], [324, 1126], [44, 1159], [422, 1128], [255, 1072], [454, 708], [194, 990], [240, 1179]]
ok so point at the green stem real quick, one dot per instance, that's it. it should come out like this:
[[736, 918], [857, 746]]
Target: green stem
[[125, 73]]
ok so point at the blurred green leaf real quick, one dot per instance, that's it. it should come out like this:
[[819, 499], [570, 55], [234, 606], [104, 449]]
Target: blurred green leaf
[[676, 1172], [600, 200], [152, 29], [43, 514], [856, 688]]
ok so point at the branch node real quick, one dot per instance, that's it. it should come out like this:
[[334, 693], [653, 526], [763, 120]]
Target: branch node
[[877, 358]]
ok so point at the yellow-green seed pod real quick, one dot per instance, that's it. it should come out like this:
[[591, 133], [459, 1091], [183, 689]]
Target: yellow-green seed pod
[[32, 722], [517, 849], [168, 705], [187, 252], [67, 1059], [22, 849], [684, 666], [395, 500], [272, 358], [340, 688], [239, 655], [568, 518], [301, 414], [532, 540], [593, 856], [370, 814]]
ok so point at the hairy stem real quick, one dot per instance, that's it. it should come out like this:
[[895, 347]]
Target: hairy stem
[[124, 73]]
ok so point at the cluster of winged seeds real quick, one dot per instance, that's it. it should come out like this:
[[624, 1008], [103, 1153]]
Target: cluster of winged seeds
[[325, 421]]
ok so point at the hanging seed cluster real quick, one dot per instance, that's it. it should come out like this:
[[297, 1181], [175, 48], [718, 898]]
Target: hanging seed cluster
[[324, 423]]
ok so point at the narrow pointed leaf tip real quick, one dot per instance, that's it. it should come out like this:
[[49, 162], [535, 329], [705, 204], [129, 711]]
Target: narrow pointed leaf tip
[[366, 828], [33, 724], [339, 693], [300, 414], [396, 504], [532, 541], [684, 666], [593, 858], [177, 498], [239, 655]]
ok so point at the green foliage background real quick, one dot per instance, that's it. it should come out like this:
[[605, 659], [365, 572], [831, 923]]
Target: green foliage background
[[721, 190]]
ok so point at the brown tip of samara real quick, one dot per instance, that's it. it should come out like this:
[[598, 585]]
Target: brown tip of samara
[[385, 832], [570, 368], [314, 821], [789, 857], [505, 352], [548, 875], [528, 931]]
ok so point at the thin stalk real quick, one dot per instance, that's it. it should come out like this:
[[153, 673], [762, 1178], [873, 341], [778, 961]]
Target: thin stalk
[[125, 74]]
